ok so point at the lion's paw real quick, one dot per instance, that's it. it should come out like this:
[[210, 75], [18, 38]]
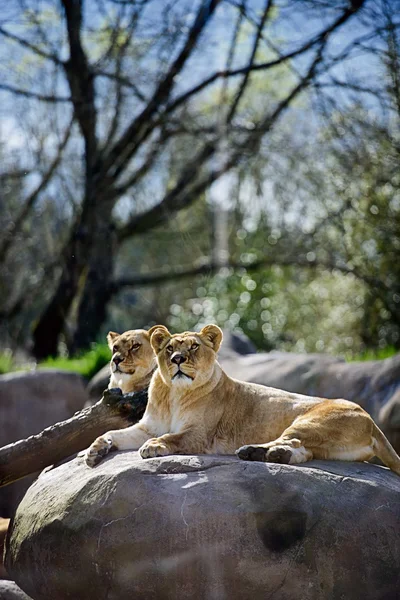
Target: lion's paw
[[100, 448], [279, 454], [275, 454], [154, 447], [257, 453]]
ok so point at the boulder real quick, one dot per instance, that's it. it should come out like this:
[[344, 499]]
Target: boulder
[[97, 385], [10, 591], [211, 527], [29, 402]]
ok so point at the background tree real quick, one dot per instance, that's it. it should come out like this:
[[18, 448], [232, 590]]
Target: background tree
[[131, 76]]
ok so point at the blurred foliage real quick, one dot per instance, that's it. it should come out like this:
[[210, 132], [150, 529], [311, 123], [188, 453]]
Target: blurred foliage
[[89, 363], [315, 205], [86, 364], [6, 362]]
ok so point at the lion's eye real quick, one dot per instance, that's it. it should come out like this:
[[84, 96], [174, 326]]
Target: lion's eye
[[135, 346], [194, 346], [115, 349], [169, 349]]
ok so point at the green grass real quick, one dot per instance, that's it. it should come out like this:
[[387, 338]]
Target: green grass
[[6, 362], [86, 364], [90, 362], [373, 354]]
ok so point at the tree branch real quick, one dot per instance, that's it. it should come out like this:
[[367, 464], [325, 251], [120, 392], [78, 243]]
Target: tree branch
[[256, 42], [187, 189], [113, 411], [122, 80], [211, 268], [25, 44], [261, 66], [142, 125], [15, 226], [81, 82], [27, 94]]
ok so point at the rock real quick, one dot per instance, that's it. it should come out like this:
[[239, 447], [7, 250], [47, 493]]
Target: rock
[[10, 591], [210, 527], [236, 342], [29, 402], [97, 385]]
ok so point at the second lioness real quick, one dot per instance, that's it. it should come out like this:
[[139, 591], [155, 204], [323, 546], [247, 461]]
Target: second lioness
[[133, 362], [194, 407]]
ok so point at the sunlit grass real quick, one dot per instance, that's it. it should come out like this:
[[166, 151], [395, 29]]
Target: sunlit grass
[[86, 364], [6, 362], [90, 362], [380, 354]]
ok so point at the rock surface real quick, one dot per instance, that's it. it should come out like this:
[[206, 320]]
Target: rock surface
[[29, 402], [10, 591], [208, 527]]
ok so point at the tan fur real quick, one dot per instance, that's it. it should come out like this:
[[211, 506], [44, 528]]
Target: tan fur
[[137, 358], [202, 410], [4, 523]]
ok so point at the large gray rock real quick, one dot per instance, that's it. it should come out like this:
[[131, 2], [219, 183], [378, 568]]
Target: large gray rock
[[29, 402], [10, 591], [208, 527]]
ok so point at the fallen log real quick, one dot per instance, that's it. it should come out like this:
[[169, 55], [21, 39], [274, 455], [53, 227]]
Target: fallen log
[[114, 411]]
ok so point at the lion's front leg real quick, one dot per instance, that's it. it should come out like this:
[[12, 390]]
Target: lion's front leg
[[130, 438], [188, 442]]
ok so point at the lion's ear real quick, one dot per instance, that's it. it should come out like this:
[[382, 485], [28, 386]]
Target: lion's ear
[[159, 336], [150, 331], [111, 337], [212, 336]]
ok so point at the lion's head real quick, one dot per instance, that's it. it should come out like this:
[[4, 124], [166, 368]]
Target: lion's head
[[132, 357], [186, 359]]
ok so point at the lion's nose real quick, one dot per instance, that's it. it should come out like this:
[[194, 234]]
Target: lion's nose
[[178, 358], [117, 360]]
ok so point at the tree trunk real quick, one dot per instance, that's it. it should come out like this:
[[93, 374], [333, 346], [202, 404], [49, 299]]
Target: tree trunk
[[52, 322], [97, 292], [113, 411], [90, 240]]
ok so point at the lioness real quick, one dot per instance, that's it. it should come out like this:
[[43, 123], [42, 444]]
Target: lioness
[[194, 407], [133, 362]]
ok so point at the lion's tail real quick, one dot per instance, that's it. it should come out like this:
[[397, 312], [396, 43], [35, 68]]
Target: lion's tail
[[385, 451]]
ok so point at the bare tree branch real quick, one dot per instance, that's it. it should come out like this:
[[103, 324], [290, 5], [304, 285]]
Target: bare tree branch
[[36, 96], [142, 125], [81, 81], [315, 41], [25, 44], [122, 80], [15, 226], [210, 268], [188, 189], [256, 42], [118, 83]]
